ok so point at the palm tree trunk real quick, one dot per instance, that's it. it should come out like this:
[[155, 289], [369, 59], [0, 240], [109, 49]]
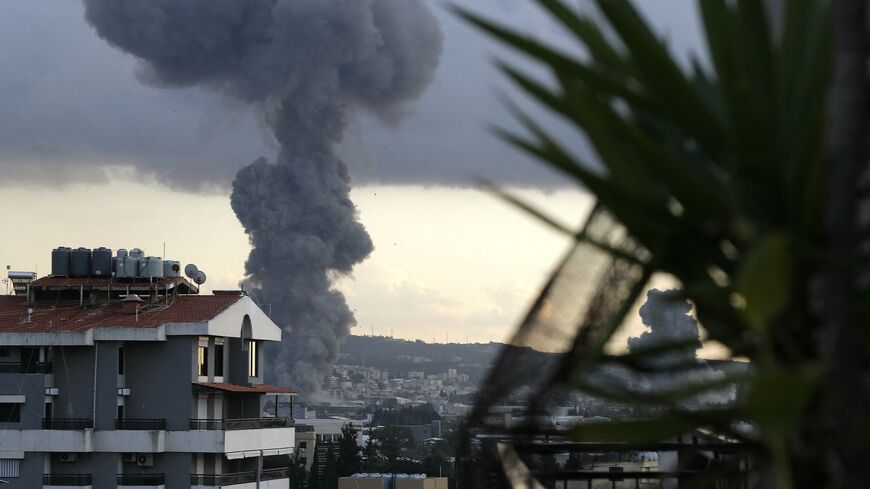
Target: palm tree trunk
[[845, 334]]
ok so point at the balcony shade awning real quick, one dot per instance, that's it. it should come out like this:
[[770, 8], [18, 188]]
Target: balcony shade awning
[[245, 389]]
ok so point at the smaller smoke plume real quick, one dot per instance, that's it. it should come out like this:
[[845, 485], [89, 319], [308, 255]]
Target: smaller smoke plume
[[667, 316]]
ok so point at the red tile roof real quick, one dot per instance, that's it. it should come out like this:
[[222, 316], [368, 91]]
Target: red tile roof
[[63, 318], [244, 389]]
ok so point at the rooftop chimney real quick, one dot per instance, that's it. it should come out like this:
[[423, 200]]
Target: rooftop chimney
[[131, 304]]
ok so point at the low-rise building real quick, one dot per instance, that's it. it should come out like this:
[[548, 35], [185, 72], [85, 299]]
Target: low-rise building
[[136, 382]]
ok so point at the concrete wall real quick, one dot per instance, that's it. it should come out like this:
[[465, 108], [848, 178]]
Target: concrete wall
[[157, 375], [30, 470], [74, 376], [107, 385], [104, 468], [236, 370], [32, 387], [177, 467], [266, 438]]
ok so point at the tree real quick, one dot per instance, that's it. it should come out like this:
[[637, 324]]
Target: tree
[[435, 462], [298, 475], [393, 444], [330, 469], [349, 457], [371, 459], [740, 178]]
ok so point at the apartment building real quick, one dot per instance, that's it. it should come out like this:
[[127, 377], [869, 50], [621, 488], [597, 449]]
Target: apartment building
[[137, 382]]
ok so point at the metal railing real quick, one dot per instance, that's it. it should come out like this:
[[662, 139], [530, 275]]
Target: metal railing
[[22, 368], [205, 480], [272, 474], [238, 477], [141, 479], [240, 424], [67, 423], [67, 480], [140, 424]]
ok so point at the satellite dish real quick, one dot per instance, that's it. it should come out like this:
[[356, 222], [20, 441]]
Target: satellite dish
[[199, 278], [190, 270]]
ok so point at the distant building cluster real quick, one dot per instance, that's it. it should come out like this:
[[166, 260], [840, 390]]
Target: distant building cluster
[[377, 387]]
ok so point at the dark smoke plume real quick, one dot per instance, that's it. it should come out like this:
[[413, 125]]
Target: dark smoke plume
[[307, 66]]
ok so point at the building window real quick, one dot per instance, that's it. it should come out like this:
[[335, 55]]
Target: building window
[[219, 360], [253, 366], [9, 468], [202, 361], [10, 412], [121, 411], [120, 360]]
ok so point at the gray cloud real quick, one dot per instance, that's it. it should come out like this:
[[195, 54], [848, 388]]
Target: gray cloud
[[73, 107]]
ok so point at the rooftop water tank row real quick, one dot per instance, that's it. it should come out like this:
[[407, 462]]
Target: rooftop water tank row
[[84, 262]]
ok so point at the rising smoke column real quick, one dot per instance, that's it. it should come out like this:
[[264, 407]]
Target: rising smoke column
[[666, 313], [307, 66], [667, 316]]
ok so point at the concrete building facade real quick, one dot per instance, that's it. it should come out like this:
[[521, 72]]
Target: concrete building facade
[[164, 391]]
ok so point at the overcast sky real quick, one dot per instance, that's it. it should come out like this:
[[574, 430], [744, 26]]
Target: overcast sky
[[92, 156]]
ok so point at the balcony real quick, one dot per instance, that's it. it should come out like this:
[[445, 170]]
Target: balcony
[[140, 424], [141, 480], [238, 477], [67, 480], [21, 368], [72, 424], [240, 424]]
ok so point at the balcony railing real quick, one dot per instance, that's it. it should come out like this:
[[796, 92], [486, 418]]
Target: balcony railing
[[238, 477], [141, 479], [240, 424], [21, 368], [67, 480], [140, 424], [67, 423]]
